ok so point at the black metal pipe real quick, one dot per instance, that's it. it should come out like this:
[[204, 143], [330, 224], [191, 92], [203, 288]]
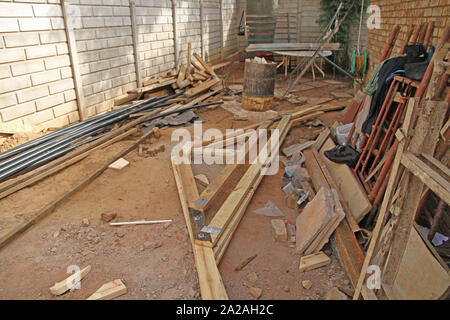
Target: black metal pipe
[[74, 135], [27, 162], [59, 132]]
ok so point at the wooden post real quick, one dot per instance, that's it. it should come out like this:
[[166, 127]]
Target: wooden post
[[134, 30], [175, 35], [202, 39], [73, 53]]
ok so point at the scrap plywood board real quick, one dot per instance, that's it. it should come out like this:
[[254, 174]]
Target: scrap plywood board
[[231, 205], [349, 186], [315, 217], [420, 275]]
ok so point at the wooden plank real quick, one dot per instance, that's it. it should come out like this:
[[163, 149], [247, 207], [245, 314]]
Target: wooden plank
[[439, 165], [299, 147], [14, 185], [211, 285], [181, 83], [200, 88], [110, 290], [428, 176], [9, 236], [314, 261], [70, 282], [323, 136], [212, 191], [221, 65], [152, 87], [231, 205], [205, 65], [189, 58]]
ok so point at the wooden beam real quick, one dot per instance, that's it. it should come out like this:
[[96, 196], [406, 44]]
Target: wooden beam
[[70, 282], [73, 53], [205, 65], [427, 175], [224, 215], [181, 82], [225, 239], [211, 284], [201, 88], [152, 87]]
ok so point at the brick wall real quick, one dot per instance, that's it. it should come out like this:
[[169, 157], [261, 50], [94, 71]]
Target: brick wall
[[36, 81], [405, 13]]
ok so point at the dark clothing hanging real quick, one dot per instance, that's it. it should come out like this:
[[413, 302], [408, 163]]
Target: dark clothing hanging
[[414, 53]]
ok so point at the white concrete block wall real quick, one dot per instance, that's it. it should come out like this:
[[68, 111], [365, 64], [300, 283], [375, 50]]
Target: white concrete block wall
[[188, 27], [212, 30], [156, 40], [105, 51], [231, 18], [36, 85], [36, 82]]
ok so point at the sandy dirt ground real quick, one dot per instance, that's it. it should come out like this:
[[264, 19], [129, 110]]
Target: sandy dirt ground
[[154, 261]]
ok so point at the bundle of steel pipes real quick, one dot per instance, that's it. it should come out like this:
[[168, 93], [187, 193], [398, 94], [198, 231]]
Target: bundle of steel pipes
[[53, 145]]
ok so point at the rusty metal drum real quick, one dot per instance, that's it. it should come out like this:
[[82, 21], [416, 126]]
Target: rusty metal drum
[[259, 86]]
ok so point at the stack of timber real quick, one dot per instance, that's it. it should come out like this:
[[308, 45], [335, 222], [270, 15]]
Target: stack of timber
[[194, 78]]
